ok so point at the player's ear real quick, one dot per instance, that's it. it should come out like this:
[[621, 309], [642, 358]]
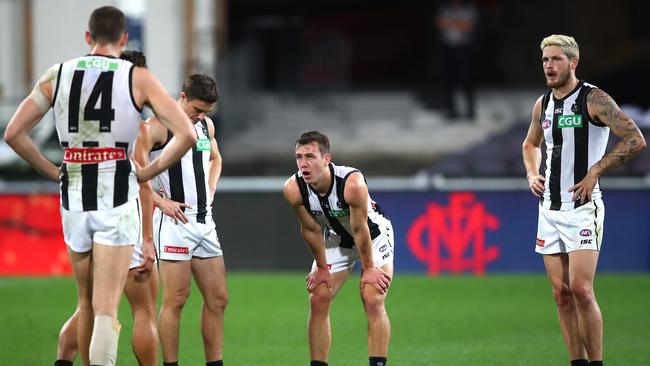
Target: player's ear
[[88, 39], [124, 39], [574, 63], [327, 158]]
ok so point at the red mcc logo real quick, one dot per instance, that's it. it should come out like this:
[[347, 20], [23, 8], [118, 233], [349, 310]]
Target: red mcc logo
[[453, 237]]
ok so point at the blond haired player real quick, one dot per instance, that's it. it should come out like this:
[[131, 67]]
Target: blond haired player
[[574, 119]]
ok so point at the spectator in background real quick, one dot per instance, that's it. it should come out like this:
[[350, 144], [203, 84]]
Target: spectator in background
[[456, 22]]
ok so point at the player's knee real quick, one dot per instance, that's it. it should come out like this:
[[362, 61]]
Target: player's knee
[[145, 313], [583, 293], [176, 301], [372, 300], [179, 302], [217, 303], [562, 295], [105, 306], [320, 300]]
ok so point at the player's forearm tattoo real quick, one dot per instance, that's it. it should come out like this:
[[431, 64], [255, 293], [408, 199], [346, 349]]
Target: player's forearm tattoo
[[631, 140]]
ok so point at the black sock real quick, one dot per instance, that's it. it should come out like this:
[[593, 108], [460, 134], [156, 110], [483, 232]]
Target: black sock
[[318, 363], [580, 362], [596, 363], [377, 361], [173, 363], [62, 363], [214, 363]]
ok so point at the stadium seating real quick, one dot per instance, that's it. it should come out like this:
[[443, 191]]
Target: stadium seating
[[367, 127]]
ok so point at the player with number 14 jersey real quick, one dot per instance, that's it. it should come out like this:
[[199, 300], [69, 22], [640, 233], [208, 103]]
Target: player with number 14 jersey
[[97, 121]]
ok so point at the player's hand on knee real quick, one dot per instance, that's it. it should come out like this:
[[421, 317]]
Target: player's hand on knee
[[377, 278], [318, 276]]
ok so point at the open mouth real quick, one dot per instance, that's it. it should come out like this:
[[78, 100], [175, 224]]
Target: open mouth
[[305, 174]]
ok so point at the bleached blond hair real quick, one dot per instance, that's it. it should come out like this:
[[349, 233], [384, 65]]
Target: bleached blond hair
[[567, 43]]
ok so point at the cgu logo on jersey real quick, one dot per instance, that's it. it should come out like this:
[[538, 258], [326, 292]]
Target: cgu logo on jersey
[[339, 213], [569, 121], [93, 155], [203, 145], [97, 63]]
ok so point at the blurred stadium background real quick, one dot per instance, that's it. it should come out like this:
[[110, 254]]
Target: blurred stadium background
[[369, 74]]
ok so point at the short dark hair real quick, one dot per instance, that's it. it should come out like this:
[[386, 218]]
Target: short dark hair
[[135, 57], [201, 87], [317, 137], [106, 24]]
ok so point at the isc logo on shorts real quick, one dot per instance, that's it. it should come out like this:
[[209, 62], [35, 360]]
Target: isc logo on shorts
[[176, 250]]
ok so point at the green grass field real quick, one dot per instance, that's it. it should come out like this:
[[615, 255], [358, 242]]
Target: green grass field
[[495, 320]]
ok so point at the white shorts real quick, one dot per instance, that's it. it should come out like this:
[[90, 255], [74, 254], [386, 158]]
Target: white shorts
[[176, 241], [342, 259], [117, 226], [138, 257], [567, 231]]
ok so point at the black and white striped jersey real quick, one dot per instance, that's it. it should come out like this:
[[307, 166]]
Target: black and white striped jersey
[[333, 213], [187, 180], [574, 143], [97, 122]]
